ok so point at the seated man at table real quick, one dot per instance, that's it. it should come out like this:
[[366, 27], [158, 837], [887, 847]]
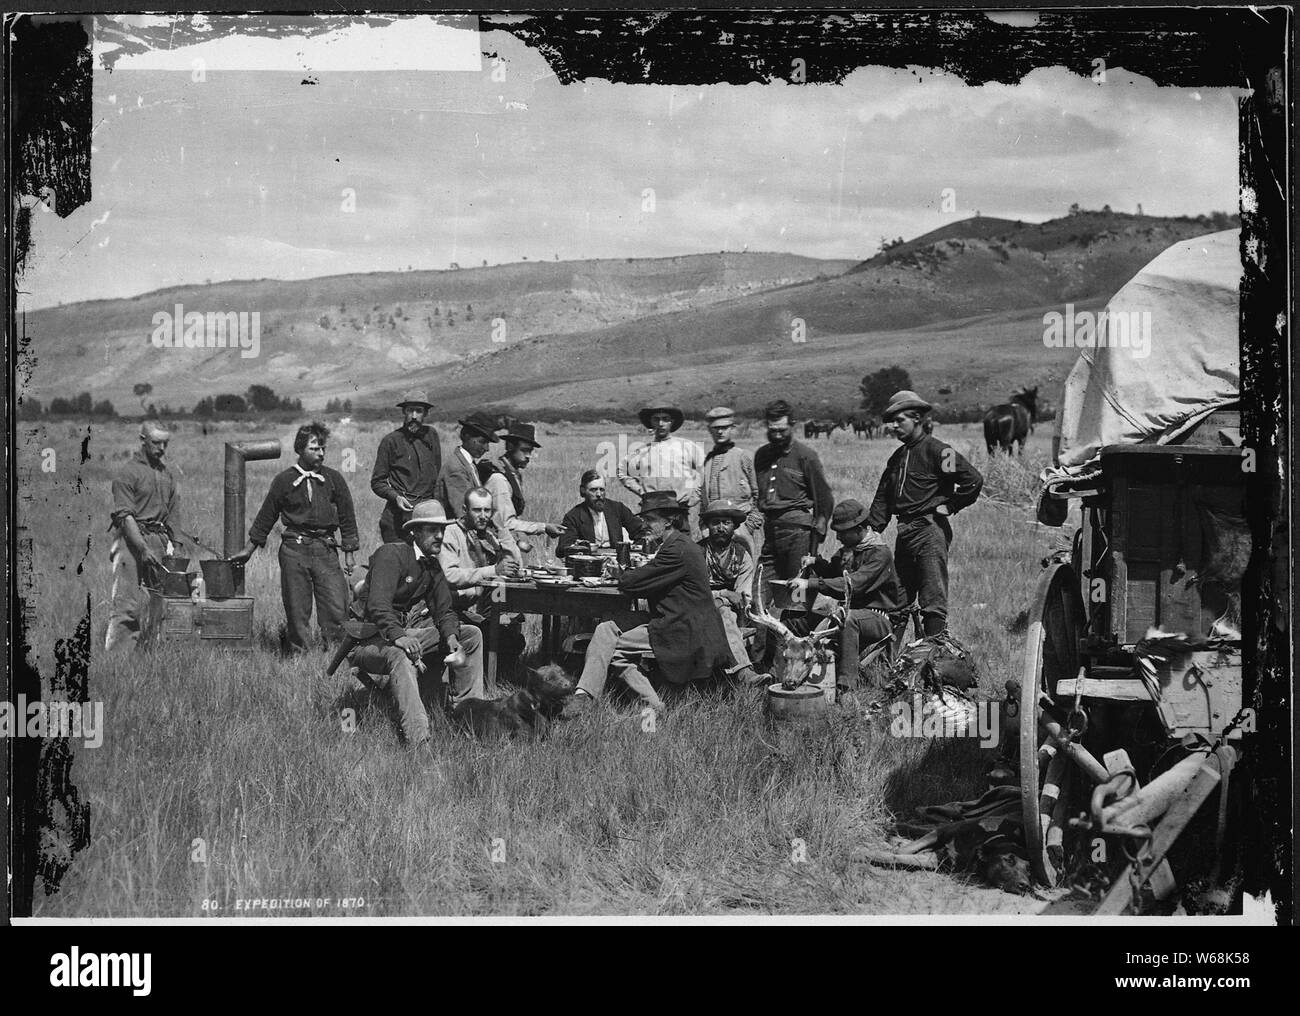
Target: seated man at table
[[597, 520], [685, 633], [731, 580], [865, 564], [402, 576], [474, 553]]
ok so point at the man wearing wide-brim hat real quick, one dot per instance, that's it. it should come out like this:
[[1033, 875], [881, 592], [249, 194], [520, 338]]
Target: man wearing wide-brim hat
[[684, 632], [863, 571], [925, 482], [504, 478], [665, 462], [731, 567], [459, 474], [402, 577], [406, 465]]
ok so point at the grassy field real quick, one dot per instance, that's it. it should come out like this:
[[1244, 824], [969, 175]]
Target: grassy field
[[223, 779]]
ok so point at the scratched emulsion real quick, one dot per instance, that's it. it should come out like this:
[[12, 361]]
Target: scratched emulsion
[[1189, 48]]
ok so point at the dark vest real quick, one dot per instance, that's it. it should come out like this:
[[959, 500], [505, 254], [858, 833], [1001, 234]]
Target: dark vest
[[486, 469]]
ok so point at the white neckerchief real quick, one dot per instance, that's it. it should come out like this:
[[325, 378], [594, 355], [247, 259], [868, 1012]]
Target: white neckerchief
[[306, 474]]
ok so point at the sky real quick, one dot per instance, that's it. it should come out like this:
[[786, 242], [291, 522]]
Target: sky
[[240, 172]]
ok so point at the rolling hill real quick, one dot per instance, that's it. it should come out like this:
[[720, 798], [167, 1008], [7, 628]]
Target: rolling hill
[[961, 308]]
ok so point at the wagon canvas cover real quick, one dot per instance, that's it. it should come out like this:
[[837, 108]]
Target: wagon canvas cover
[[1181, 311]]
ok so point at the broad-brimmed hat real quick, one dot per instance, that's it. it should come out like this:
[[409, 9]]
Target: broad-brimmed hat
[[848, 514], [415, 398], [427, 513], [660, 501], [724, 508], [483, 424], [649, 411], [718, 414], [522, 432], [900, 401]]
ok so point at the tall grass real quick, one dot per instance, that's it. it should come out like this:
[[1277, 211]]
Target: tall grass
[[712, 811]]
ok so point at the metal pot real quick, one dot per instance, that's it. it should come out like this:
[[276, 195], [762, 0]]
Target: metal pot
[[587, 565], [221, 577]]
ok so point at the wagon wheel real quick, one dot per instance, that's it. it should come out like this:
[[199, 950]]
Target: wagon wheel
[[1056, 620]]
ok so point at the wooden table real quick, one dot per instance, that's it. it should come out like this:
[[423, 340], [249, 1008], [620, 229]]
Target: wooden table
[[598, 603]]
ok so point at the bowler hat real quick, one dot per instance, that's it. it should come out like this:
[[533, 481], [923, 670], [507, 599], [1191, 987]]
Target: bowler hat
[[427, 513], [415, 398], [649, 411], [724, 508], [900, 401], [660, 501], [483, 424], [522, 432], [719, 413], [848, 514]]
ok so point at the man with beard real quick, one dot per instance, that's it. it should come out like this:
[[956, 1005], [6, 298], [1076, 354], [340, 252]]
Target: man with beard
[[504, 479], [684, 632], [459, 474], [406, 466], [597, 520], [793, 495], [925, 482], [731, 580], [402, 577], [314, 503]]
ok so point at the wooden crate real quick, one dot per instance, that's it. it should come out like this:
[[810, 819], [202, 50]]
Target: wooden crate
[[227, 622]]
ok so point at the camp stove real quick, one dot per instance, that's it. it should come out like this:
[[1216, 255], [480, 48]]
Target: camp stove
[[216, 612]]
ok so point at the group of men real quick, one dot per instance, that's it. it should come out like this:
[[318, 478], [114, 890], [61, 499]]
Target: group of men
[[452, 528]]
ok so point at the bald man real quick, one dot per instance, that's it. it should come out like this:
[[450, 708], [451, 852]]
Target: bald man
[[145, 526]]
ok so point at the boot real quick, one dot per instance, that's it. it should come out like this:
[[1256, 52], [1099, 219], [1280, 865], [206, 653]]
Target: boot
[[751, 678]]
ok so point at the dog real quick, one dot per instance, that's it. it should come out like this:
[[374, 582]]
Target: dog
[[527, 712]]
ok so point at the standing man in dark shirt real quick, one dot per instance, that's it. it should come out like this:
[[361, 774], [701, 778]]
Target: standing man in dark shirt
[[924, 483], [402, 577], [406, 466], [793, 495], [313, 502]]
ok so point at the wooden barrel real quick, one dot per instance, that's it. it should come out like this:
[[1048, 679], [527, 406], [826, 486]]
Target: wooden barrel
[[795, 704]]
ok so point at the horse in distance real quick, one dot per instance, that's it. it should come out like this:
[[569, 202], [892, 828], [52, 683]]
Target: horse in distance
[[1012, 422]]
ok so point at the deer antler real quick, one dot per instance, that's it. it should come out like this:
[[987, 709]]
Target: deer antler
[[764, 617]]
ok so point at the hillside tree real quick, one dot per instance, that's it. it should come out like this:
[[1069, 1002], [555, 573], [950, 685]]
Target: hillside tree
[[878, 387]]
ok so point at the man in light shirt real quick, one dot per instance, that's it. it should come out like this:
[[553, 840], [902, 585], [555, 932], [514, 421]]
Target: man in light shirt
[[665, 462]]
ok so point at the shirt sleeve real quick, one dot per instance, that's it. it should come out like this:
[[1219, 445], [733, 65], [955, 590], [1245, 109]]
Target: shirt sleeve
[[665, 570], [823, 499], [385, 570], [442, 607], [458, 575], [347, 513], [878, 513], [755, 519], [268, 515], [967, 483], [623, 472], [379, 475], [124, 499], [745, 580]]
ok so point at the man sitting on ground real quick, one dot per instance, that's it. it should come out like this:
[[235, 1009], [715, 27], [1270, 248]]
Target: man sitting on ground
[[403, 576], [731, 579], [865, 565], [684, 633]]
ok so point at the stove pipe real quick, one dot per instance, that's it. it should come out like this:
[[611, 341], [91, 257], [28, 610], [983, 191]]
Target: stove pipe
[[234, 532]]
